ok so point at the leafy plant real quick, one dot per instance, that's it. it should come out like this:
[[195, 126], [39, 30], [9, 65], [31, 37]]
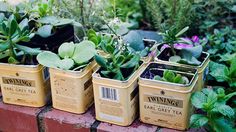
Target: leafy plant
[[120, 64], [222, 73], [220, 13], [170, 76], [70, 56], [167, 13], [217, 115], [11, 33], [188, 50], [221, 44]]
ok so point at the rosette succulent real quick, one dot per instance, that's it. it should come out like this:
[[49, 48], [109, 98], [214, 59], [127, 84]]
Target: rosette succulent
[[70, 56]]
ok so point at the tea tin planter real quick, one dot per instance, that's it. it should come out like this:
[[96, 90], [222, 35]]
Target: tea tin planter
[[116, 101], [26, 85], [203, 69], [72, 90], [163, 103]]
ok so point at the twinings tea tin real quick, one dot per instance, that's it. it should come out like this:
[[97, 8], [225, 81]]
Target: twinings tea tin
[[26, 85], [166, 104]]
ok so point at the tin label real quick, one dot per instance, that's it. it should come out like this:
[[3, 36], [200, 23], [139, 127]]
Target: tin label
[[164, 101], [158, 104], [17, 81], [109, 94]]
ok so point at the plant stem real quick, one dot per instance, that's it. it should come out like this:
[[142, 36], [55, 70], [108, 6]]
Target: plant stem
[[173, 49], [11, 49]]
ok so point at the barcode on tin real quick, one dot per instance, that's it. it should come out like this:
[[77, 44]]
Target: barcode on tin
[[109, 94]]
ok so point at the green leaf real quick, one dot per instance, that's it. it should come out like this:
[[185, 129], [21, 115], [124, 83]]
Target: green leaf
[[66, 64], [120, 60], [48, 59], [195, 51], [45, 31], [219, 71], [23, 24], [226, 110], [169, 75], [66, 50], [157, 77], [182, 31], [175, 59], [31, 51], [110, 49], [197, 121], [4, 46], [12, 60], [221, 125], [134, 40], [101, 61], [62, 22], [13, 27], [132, 62], [198, 99], [48, 20], [232, 68], [84, 51]]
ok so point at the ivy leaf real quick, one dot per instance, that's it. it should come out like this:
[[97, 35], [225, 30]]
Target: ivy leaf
[[198, 120]]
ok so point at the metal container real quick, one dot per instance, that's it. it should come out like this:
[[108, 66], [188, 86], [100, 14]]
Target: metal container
[[163, 103], [26, 85], [116, 101], [203, 69], [72, 91]]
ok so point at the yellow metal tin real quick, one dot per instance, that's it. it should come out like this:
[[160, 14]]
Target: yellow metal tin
[[72, 90], [203, 69], [26, 85], [116, 101], [167, 104]]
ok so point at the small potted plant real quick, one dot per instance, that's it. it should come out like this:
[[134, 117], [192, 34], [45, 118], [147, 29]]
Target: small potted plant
[[51, 30], [115, 85], [23, 81], [184, 52], [71, 75], [164, 95], [135, 43]]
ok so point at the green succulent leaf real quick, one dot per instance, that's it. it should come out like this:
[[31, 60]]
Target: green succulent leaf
[[84, 51], [45, 31], [66, 50], [132, 62], [101, 61], [66, 64], [31, 51], [12, 60], [175, 58], [48, 59]]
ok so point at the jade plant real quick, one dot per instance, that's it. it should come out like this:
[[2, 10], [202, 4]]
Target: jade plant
[[188, 51], [71, 56], [216, 114], [11, 34], [170, 76], [120, 64]]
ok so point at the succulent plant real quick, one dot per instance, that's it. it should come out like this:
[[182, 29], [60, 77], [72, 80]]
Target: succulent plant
[[70, 56], [11, 33], [170, 76]]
